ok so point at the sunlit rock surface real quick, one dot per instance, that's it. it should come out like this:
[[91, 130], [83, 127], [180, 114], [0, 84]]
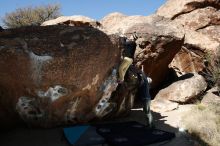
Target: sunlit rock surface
[[159, 39], [201, 21], [75, 20]]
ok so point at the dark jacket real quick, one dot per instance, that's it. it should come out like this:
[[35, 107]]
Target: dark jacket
[[143, 90], [130, 47]]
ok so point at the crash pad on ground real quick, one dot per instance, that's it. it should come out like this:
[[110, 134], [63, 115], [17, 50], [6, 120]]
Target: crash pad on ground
[[83, 135], [117, 134]]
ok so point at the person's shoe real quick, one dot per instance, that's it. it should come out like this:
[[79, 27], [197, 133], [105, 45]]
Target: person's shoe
[[149, 120], [147, 113]]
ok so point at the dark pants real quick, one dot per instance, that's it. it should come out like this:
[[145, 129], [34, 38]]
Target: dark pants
[[144, 94], [143, 91]]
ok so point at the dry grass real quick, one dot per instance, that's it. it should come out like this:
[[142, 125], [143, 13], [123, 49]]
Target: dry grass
[[203, 123]]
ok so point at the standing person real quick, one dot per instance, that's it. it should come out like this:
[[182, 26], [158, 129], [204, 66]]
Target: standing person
[[128, 56], [144, 94], [1, 29]]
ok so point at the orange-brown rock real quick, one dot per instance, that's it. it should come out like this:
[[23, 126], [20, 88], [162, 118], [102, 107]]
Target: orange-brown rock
[[56, 74], [186, 61]]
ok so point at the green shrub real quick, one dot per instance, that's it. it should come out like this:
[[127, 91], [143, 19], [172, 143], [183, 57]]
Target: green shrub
[[31, 15]]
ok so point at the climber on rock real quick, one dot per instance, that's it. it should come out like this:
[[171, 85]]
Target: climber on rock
[[144, 81], [128, 56]]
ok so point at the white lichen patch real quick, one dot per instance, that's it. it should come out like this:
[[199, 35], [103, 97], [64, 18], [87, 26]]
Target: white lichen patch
[[37, 63], [2, 47], [70, 116], [88, 87], [110, 85], [94, 82], [28, 109], [53, 93], [61, 45]]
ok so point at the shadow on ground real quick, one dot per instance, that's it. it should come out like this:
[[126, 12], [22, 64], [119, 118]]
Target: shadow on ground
[[24, 136]]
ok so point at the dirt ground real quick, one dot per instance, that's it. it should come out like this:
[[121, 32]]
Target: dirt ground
[[24, 136]]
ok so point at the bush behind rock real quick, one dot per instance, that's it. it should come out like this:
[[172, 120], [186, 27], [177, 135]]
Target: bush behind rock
[[31, 15]]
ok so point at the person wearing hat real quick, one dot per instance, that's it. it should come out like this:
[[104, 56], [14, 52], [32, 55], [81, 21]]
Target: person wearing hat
[[128, 56]]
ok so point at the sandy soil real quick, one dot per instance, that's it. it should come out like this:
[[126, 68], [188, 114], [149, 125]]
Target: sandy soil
[[168, 121]]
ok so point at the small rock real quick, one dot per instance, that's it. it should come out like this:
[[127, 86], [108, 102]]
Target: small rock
[[163, 105], [184, 90], [212, 96]]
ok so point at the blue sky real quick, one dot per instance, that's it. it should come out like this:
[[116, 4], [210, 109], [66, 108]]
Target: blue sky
[[95, 9]]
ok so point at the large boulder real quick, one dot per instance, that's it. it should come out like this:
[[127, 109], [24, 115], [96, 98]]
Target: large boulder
[[188, 61], [211, 97], [182, 91], [174, 8], [56, 74], [163, 105], [159, 39], [111, 21], [193, 54], [76, 20], [212, 31], [201, 20]]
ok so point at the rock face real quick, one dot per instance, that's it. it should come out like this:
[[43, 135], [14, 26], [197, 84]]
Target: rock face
[[211, 97], [182, 91], [56, 75], [174, 8], [76, 20], [60, 74], [186, 61], [212, 31], [201, 20], [159, 40], [111, 21], [163, 105]]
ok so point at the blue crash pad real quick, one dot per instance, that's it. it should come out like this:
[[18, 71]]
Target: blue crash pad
[[83, 136], [116, 134]]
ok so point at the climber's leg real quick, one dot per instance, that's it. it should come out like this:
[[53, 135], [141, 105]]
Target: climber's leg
[[124, 67]]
